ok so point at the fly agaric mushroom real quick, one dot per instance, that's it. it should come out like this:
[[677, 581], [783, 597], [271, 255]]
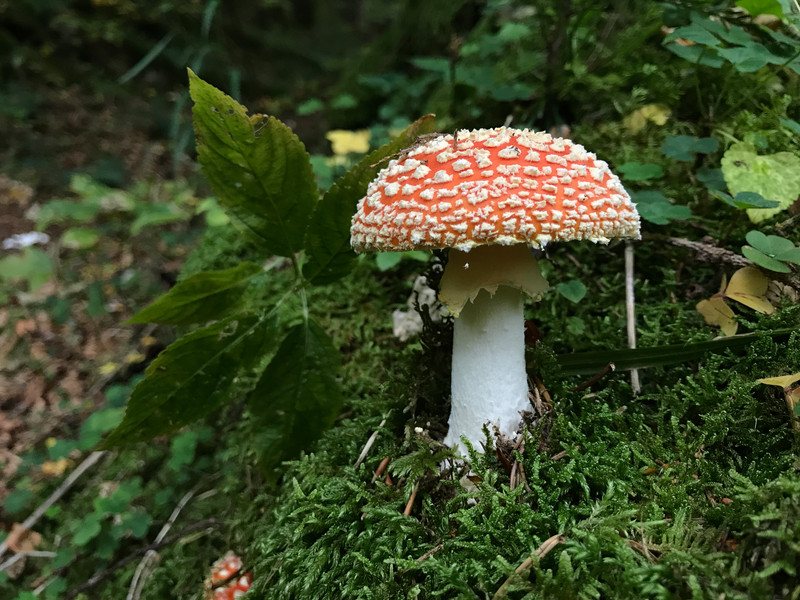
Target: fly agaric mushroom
[[226, 582], [489, 194]]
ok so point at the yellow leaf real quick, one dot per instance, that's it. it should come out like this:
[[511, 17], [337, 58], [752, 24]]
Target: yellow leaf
[[148, 340], [134, 357], [716, 312], [655, 113], [783, 381], [50, 442], [55, 467], [108, 368], [344, 142], [748, 286]]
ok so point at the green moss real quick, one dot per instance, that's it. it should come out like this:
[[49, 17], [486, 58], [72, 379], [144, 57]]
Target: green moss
[[690, 490]]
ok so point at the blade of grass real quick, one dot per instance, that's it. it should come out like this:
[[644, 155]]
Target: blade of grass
[[146, 59], [586, 363]]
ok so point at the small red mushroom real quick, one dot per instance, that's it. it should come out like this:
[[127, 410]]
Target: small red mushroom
[[225, 569]]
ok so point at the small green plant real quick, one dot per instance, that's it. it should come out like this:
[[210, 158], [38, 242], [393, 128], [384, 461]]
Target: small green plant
[[771, 251], [268, 346]]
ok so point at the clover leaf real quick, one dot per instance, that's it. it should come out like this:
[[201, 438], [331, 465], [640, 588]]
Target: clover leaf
[[771, 251]]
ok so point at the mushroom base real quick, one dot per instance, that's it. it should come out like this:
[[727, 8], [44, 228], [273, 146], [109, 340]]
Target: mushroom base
[[489, 381]]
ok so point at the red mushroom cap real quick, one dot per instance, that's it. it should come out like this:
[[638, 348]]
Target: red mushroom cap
[[493, 186]]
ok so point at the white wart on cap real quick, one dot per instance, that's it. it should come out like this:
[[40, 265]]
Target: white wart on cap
[[493, 186]]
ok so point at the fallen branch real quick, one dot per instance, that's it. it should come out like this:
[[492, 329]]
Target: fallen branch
[[546, 547], [711, 253]]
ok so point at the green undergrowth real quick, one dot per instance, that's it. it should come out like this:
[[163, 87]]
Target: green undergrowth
[[690, 490]]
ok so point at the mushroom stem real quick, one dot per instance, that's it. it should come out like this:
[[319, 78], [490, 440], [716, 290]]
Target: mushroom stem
[[489, 381]]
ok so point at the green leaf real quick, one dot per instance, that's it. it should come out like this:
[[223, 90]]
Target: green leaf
[[655, 207], [791, 125], [194, 376], [86, 529], [636, 171], [97, 424], [574, 290], [183, 448], [769, 250], [684, 147], [761, 7], [260, 172], [298, 396], [33, 266], [157, 214], [329, 256], [310, 106], [387, 260], [695, 33], [774, 176], [703, 55], [744, 200], [17, 500], [711, 178], [200, 298], [79, 238], [764, 260]]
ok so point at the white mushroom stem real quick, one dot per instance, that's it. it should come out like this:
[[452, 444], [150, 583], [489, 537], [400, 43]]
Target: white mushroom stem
[[484, 289], [489, 381]]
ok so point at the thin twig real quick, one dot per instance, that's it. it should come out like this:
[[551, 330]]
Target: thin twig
[[135, 589], [20, 555], [540, 552], [524, 478], [368, 445], [630, 312], [102, 575], [28, 523], [381, 468], [609, 368], [424, 557], [410, 504]]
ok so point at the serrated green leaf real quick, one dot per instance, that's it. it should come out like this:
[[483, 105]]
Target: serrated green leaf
[[298, 396], [574, 290], [260, 173], [194, 376], [774, 176], [200, 298], [329, 255], [763, 260]]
